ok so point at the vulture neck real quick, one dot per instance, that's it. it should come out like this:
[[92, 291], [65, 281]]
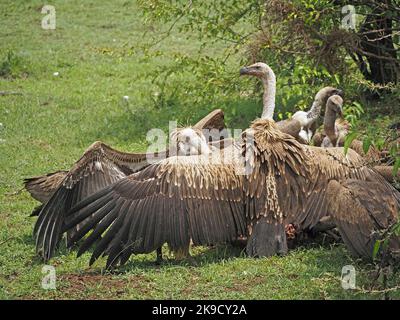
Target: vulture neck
[[269, 83], [329, 124], [315, 110]]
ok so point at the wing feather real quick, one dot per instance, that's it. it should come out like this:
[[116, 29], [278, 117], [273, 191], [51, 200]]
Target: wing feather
[[362, 210], [208, 212]]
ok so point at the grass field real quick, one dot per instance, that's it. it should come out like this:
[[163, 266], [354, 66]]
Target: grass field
[[52, 119]]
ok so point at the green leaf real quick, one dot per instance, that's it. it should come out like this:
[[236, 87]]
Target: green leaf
[[366, 144], [377, 246], [349, 139]]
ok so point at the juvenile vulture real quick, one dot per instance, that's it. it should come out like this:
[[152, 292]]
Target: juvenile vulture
[[271, 182], [302, 124], [183, 198], [100, 166], [335, 131]]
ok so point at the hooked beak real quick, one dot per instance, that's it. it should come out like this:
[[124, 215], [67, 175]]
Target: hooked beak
[[244, 71]]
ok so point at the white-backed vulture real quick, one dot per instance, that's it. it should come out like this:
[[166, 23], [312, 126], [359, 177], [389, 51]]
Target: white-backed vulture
[[101, 165], [335, 131], [183, 198], [334, 108], [302, 123], [271, 182]]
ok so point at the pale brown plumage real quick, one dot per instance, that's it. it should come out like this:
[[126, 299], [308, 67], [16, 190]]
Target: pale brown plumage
[[183, 198], [335, 131], [99, 167], [303, 123]]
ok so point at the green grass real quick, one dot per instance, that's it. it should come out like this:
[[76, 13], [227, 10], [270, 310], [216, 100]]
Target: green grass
[[50, 122]]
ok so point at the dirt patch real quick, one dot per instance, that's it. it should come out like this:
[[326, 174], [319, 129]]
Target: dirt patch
[[94, 286], [97, 286]]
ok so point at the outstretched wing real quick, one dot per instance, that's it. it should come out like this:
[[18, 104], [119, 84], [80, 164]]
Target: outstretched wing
[[175, 201], [362, 211], [99, 167], [214, 120], [288, 182], [42, 188]]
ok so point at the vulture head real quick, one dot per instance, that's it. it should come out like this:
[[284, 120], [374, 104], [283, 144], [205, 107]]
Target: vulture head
[[259, 70], [189, 141], [335, 103], [323, 95]]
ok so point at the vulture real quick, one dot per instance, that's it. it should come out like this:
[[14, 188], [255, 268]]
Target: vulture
[[335, 131], [101, 165], [302, 123], [269, 181]]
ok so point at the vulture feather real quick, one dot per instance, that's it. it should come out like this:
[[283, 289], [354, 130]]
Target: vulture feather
[[193, 197], [302, 124], [99, 167]]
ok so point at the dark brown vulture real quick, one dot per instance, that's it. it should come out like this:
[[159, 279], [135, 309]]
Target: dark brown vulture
[[183, 199], [99, 167]]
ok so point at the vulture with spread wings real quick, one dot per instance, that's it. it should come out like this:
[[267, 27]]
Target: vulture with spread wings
[[272, 181], [99, 167], [261, 184]]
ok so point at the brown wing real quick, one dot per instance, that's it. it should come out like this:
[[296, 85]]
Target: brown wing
[[289, 126], [175, 201], [214, 120], [42, 188], [288, 183], [373, 156], [99, 167], [362, 210], [387, 173]]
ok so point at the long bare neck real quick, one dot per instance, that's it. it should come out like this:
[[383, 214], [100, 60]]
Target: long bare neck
[[315, 111], [269, 83], [329, 124]]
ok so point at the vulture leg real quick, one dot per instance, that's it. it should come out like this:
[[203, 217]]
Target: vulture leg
[[267, 239]]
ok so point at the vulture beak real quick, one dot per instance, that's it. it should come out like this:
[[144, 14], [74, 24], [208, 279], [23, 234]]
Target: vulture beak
[[244, 71]]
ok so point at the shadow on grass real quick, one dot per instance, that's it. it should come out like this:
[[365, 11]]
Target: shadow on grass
[[130, 124]]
